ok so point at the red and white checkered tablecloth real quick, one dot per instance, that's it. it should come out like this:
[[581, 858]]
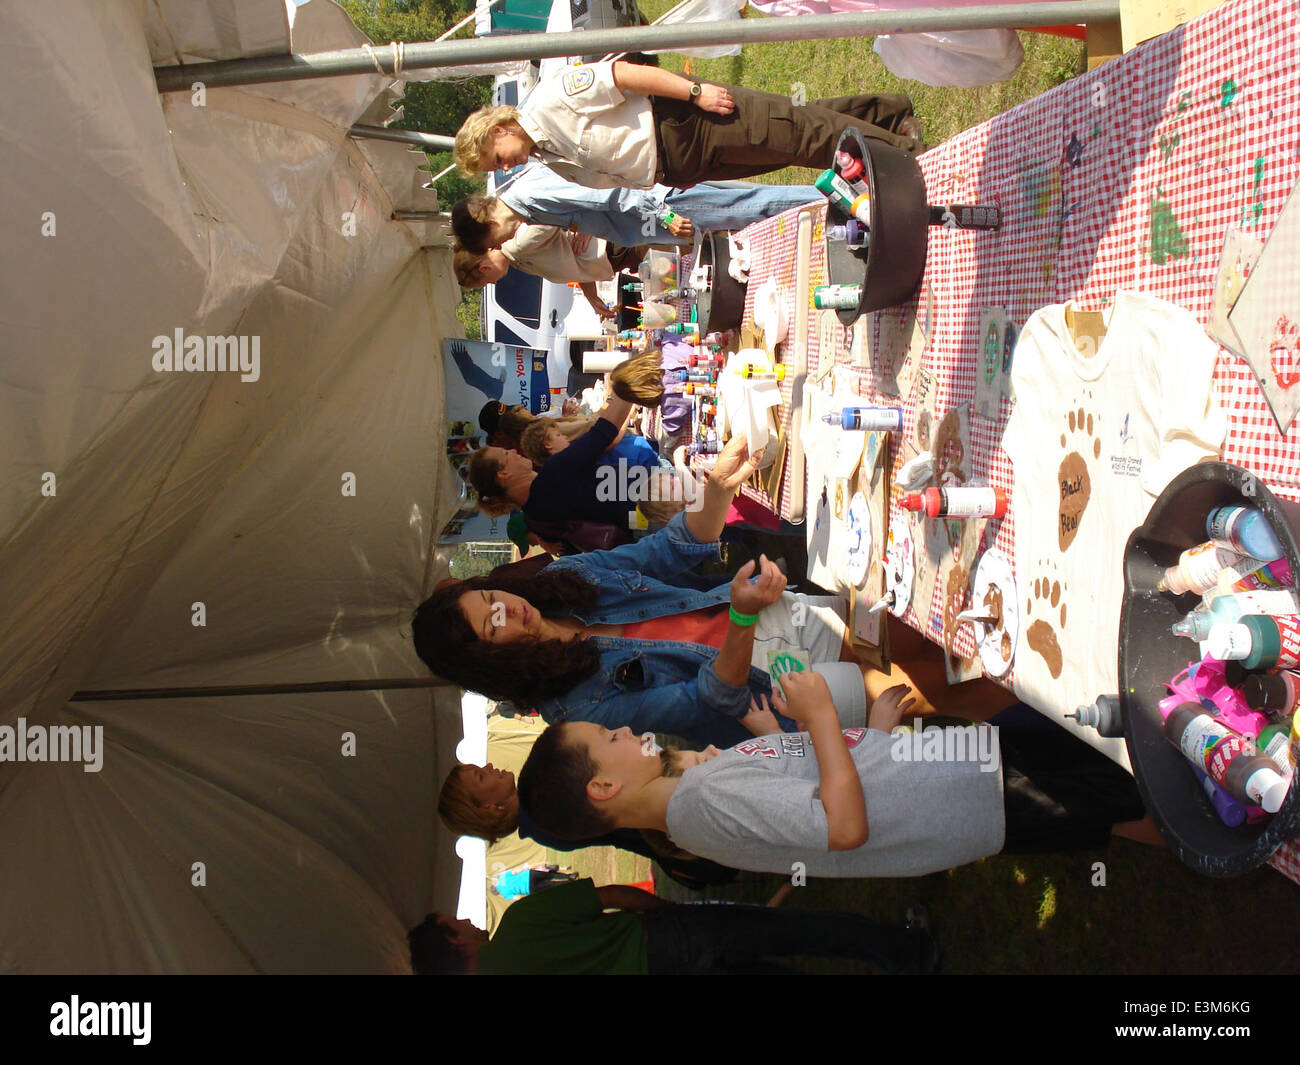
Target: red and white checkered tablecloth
[[1177, 130]]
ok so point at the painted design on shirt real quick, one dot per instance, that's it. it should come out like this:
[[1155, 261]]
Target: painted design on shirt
[[1072, 477], [1123, 464], [852, 737], [762, 746], [575, 81], [792, 744], [1048, 594]]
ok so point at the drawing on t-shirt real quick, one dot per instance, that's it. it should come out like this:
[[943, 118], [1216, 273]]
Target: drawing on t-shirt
[[1072, 477], [1048, 595]]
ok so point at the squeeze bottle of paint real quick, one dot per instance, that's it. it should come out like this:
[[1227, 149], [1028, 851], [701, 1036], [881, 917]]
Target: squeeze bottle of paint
[[704, 447], [861, 209], [964, 502], [1275, 694], [1258, 641], [1275, 574], [751, 371], [853, 233], [851, 167], [867, 419], [1198, 623], [1198, 569], [1275, 743], [837, 297], [1231, 812], [837, 190], [1244, 529], [1225, 757], [1103, 715]]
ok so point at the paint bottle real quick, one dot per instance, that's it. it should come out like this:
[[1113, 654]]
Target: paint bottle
[[633, 286], [694, 389], [1223, 608], [853, 233], [1103, 715], [837, 297], [1231, 812], [1276, 694], [850, 166], [861, 209], [1226, 757], [1275, 743], [751, 371], [1275, 574], [704, 447], [1199, 567], [1258, 642], [837, 190], [1244, 529], [701, 376], [699, 360], [679, 328], [966, 502], [867, 419]]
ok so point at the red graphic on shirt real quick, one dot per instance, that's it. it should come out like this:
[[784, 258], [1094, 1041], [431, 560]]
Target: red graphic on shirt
[[1284, 353], [762, 747], [853, 736]]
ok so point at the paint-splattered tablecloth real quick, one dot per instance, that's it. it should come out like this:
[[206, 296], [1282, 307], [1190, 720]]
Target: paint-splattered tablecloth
[[1124, 178]]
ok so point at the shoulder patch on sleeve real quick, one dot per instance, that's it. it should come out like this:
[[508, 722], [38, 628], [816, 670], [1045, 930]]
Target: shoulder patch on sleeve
[[576, 80]]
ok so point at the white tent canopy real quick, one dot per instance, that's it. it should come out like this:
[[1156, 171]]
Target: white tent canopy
[[233, 212]]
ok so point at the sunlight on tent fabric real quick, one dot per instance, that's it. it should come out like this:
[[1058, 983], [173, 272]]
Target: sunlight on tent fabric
[[473, 714], [473, 880]]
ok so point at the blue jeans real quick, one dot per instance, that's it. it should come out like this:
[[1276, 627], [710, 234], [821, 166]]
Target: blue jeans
[[731, 205]]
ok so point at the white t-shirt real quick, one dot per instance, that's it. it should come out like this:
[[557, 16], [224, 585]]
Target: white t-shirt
[[589, 132], [1094, 439]]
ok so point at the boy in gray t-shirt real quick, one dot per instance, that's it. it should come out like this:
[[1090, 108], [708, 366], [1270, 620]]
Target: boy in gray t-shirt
[[860, 802]]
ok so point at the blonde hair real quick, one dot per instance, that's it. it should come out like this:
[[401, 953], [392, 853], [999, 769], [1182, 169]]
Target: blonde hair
[[465, 264], [532, 441], [464, 815], [475, 135]]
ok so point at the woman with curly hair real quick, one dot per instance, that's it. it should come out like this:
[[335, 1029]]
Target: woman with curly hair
[[625, 637]]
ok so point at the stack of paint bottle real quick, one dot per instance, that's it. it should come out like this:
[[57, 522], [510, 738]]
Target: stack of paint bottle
[[1233, 714]]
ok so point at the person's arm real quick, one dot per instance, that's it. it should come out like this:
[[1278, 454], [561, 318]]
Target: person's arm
[[627, 897], [597, 304], [839, 786], [652, 81], [732, 469]]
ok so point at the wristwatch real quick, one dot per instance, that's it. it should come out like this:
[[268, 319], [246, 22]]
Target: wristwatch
[[695, 90]]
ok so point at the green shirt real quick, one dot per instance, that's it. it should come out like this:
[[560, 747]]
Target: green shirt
[[562, 930]]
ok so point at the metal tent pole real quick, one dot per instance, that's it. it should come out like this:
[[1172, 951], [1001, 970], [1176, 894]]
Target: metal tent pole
[[434, 142], [305, 687], [385, 58]]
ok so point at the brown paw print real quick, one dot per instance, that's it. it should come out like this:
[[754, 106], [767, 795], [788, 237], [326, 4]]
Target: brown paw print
[[1048, 594], [1072, 477], [993, 608]]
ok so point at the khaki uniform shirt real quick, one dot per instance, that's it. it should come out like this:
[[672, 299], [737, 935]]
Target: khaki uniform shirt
[[589, 132], [547, 251]]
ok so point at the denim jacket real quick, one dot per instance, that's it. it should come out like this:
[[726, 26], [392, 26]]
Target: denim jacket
[[655, 685]]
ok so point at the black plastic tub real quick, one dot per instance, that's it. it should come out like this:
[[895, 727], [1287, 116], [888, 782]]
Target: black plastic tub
[[722, 306], [900, 229], [1149, 655]]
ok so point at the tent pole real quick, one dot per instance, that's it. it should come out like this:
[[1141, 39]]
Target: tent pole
[[431, 142], [305, 687], [422, 56]]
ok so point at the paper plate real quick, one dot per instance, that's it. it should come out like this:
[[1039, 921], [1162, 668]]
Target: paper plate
[[994, 581], [858, 539], [900, 565]]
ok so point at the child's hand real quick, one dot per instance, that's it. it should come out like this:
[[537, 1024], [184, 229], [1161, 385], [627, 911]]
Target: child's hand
[[887, 711], [760, 720], [752, 598], [806, 697]]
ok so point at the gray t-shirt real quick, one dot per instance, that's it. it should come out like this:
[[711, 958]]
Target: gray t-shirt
[[757, 806]]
